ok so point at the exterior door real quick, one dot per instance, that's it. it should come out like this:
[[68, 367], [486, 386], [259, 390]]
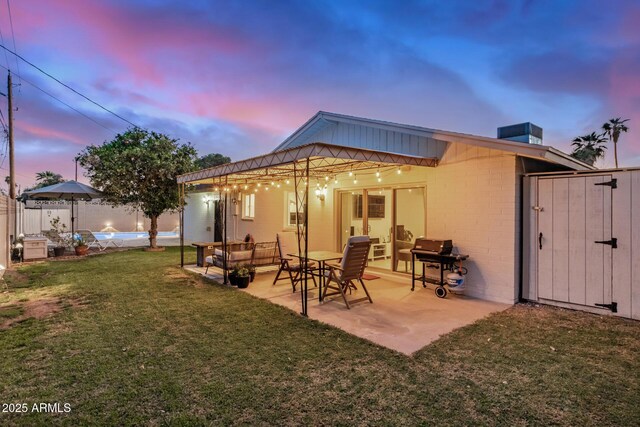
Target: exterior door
[[574, 242]]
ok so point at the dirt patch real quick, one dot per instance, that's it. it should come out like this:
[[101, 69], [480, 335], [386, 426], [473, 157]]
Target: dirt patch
[[15, 278], [38, 309], [183, 278], [78, 302]]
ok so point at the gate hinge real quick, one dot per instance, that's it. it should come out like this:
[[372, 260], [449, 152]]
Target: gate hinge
[[613, 306], [613, 183], [613, 242]]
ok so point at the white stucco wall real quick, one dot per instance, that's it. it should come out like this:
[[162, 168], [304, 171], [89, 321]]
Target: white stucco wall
[[199, 218], [471, 199]]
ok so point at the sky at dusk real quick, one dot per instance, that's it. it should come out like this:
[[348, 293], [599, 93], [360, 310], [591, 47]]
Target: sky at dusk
[[237, 77]]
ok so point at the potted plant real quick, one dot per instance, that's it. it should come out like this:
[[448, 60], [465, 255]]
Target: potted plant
[[233, 275], [243, 277], [58, 231], [252, 271], [80, 246]]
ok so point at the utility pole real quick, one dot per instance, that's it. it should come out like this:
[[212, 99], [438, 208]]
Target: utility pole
[[12, 177], [11, 208]]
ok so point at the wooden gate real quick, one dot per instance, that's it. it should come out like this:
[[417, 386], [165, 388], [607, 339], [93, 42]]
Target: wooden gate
[[575, 240]]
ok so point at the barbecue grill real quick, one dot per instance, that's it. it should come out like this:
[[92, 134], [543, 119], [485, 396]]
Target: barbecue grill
[[437, 254]]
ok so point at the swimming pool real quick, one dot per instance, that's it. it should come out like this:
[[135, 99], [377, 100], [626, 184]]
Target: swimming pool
[[128, 235]]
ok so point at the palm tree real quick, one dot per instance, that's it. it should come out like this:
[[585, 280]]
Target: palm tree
[[48, 178], [589, 148], [612, 129]]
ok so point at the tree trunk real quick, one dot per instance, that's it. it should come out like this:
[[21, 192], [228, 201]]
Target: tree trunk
[[615, 151], [153, 232]]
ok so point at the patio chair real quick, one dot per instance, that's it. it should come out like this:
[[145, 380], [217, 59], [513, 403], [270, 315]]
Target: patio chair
[[292, 268], [93, 242], [403, 253], [350, 269]]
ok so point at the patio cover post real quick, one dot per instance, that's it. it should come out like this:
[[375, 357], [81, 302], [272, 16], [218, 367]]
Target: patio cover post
[[181, 217], [306, 238], [224, 241], [301, 177]]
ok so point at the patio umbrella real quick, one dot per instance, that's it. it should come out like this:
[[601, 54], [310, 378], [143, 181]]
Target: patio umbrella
[[68, 190]]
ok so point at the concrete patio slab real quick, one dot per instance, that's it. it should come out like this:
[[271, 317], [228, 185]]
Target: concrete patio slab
[[398, 319]]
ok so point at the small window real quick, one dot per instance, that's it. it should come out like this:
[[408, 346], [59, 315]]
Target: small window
[[248, 206], [291, 211]]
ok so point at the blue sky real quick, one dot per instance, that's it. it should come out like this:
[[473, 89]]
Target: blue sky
[[238, 77]]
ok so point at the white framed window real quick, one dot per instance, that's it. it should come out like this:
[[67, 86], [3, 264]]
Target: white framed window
[[248, 206], [290, 220]]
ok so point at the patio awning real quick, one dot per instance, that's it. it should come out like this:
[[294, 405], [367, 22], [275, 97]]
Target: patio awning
[[324, 160]]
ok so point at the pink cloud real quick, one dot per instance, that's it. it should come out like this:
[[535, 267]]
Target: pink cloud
[[32, 130]]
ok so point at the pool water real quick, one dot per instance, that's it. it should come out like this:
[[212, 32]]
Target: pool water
[[127, 235]]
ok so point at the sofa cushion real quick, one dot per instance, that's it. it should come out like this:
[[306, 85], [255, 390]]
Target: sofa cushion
[[238, 256]]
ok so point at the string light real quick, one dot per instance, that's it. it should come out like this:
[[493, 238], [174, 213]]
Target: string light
[[278, 185], [235, 186], [273, 183], [287, 181], [350, 173], [326, 178], [379, 179], [399, 171], [335, 179], [259, 184], [355, 179], [378, 173], [246, 186]]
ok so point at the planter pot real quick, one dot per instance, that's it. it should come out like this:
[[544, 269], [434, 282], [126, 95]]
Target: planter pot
[[243, 282], [59, 251], [81, 250], [233, 280], [252, 275]]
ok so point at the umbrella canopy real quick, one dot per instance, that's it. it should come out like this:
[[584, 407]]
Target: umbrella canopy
[[68, 190], [64, 191]]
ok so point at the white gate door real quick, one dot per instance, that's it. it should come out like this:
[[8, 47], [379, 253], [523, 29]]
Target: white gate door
[[574, 242]]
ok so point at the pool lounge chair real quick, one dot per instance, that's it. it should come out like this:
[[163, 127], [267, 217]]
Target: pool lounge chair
[[93, 242]]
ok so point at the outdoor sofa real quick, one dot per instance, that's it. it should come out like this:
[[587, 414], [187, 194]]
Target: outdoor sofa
[[257, 254]]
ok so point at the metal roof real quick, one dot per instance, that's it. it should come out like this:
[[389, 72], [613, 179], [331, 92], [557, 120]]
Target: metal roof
[[322, 119], [324, 160]]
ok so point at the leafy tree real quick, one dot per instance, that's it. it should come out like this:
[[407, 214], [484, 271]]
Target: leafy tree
[[138, 168], [589, 148], [211, 160], [613, 128]]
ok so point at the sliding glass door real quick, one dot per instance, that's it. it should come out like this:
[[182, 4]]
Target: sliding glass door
[[410, 222], [391, 217]]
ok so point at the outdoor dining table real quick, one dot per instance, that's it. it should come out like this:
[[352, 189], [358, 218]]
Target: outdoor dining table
[[321, 257]]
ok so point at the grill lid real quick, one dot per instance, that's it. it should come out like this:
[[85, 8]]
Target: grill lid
[[441, 247]]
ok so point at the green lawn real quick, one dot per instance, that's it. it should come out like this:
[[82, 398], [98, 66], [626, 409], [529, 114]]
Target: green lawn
[[134, 340]]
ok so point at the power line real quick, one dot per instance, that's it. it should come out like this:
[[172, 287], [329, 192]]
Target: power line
[[62, 102], [70, 88], [6, 57], [13, 35]]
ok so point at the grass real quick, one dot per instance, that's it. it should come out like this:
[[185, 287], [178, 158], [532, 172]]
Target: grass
[[137, 341]]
